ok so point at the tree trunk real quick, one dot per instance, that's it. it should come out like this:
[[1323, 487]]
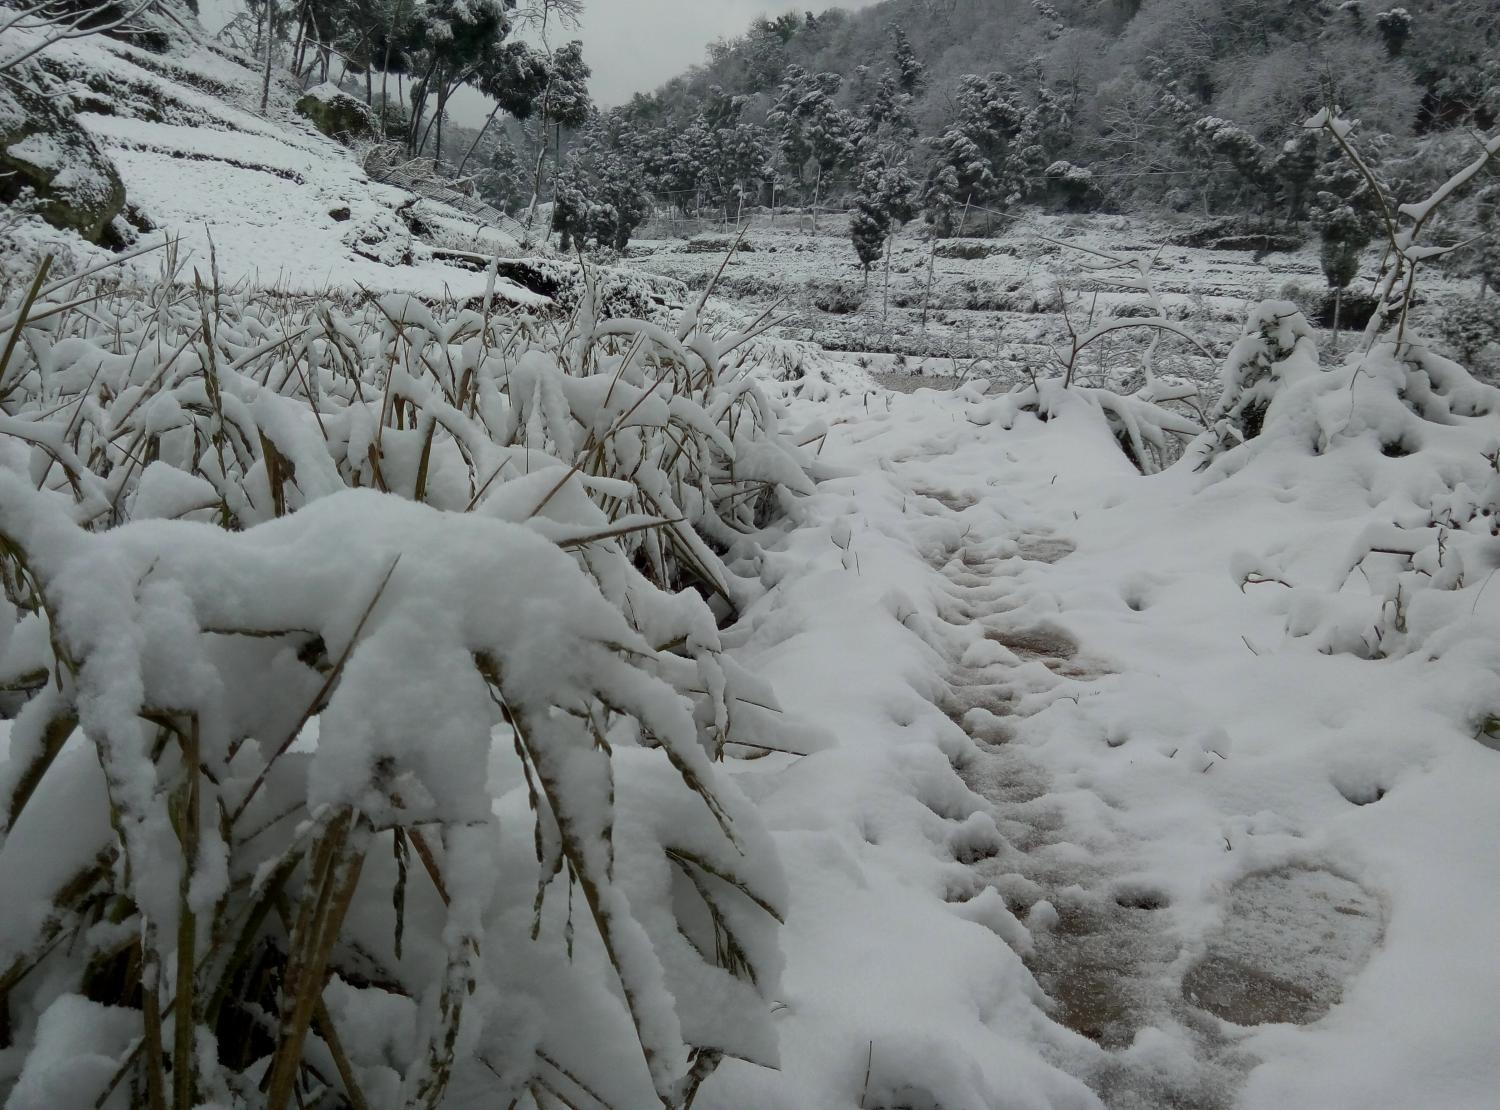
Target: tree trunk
[[420, 91], [1338, 304], [265, 76], [817, 191], [927, 295], [541, 160], [475, 144], [301, 45], [885, 292]]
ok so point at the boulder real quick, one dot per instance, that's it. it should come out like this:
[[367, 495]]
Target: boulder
[[335, 113], [50, 165]]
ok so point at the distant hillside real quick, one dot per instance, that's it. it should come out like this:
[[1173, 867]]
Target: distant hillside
[[1131, 77]]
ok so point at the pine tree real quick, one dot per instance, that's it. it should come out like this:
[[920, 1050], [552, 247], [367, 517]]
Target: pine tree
[[882, 203], [601, 193], [889, 110], [1243, 151], [911, 73], [1346, 233], [1395, 28], [502, 182], [810, 127], [990, 155], [1469, 326], [867, 229]]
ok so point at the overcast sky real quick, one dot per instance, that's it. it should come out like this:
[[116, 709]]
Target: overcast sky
[[635, 45]]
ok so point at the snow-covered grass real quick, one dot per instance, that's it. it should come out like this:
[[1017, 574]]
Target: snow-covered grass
[[370, 702]]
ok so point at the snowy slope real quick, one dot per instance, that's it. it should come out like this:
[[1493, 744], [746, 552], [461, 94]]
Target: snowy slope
[[276, 202]]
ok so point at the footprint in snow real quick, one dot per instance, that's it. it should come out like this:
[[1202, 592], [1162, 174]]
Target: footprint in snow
[[1289, 942]]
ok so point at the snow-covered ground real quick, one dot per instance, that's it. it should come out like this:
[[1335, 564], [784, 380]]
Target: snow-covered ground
[[1248, 869]]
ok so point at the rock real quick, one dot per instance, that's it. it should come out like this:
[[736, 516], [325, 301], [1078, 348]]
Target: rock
[[335, 113], [50, 165], [339, 214]]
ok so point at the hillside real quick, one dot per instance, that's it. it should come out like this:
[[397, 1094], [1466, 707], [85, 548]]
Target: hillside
[[1120, 84], [265, 199]]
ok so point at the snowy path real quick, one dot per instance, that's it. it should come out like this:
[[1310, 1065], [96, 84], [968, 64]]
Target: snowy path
[[1100, 948], [1097, 945], [1204, 839]]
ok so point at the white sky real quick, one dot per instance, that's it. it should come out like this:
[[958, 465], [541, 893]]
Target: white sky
[[635, 45]]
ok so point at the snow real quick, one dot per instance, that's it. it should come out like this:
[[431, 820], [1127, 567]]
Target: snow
[[1049, 784], [1193, 749]]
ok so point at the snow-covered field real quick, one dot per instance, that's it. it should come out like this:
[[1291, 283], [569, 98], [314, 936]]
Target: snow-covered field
[[1143, 791], [993, 307]]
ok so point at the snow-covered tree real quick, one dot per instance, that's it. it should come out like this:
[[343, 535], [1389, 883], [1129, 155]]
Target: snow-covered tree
[[503, 182], [815, 135], [882, 204], [601, 193], [1394, 26], [993, 153], [1225, 140], [910, 72], [455, 39], [1469, 325], [562, 102], [1295, 165]]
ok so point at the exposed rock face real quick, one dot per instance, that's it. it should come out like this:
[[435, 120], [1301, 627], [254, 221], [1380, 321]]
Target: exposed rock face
[[335, 113], [50, 164]]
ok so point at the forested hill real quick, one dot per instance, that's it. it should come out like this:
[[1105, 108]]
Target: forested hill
[[1082, 103]]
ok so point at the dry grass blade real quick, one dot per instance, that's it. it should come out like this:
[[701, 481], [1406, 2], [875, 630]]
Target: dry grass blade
[[32, 292], [340, 855], [54, 736], [575, 542]]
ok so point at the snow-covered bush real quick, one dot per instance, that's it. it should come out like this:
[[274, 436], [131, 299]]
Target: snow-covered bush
[[1413, 436], [1276, 346], [371, 703], [836, 297]]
